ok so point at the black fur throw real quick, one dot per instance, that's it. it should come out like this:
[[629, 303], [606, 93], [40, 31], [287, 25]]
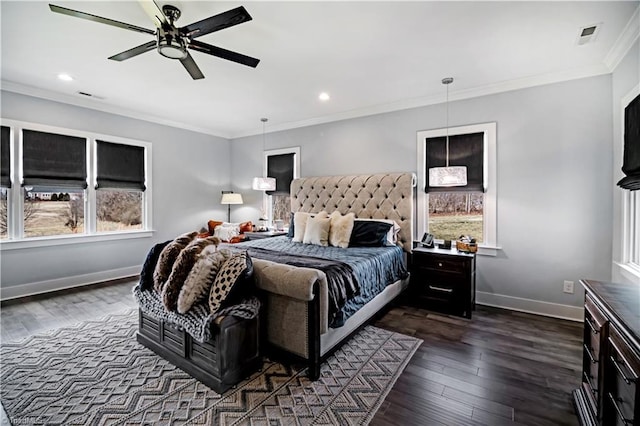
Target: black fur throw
[[146, 275]]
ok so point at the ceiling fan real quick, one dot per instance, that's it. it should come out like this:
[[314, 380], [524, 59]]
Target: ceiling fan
[[171, 41]]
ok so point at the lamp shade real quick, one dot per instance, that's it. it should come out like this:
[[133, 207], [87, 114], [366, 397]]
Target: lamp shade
[[448, 176], [264, 184], [231, 198]]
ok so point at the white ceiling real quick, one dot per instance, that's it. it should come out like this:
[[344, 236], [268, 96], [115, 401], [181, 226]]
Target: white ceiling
[[369, 56]]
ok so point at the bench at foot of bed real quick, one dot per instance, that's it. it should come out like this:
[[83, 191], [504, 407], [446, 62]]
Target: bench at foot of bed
[[232, 354]]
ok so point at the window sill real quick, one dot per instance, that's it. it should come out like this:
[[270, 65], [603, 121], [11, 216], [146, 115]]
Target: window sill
[[484, 250], [629, 271], [71, 239]]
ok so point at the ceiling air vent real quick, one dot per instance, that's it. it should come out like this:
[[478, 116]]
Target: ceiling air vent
[[89, 95], [588, 34]]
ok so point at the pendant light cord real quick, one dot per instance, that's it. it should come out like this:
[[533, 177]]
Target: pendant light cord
[[447, 82]]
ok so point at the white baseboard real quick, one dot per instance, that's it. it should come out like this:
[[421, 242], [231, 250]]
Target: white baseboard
[[29, 289], [548, 309]]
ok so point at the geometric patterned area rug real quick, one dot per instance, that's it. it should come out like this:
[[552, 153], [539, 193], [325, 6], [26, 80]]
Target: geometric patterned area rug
[[96, 373]]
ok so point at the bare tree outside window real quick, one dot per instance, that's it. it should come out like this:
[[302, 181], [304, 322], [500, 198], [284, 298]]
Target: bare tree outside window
[[118, 210], [452, 214]]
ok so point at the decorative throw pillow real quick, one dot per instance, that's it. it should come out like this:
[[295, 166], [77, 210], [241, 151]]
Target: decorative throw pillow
[[231, 281], [211, 225], [167, 258], [146, 275], [317, 230], [227, 231], [340, 229], [369, 233], [181, 268], [198, 283], [392, 234], [300, 224], [246, 227]]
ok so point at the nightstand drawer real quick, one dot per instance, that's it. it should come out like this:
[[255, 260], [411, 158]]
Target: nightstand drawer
[[440, 263]]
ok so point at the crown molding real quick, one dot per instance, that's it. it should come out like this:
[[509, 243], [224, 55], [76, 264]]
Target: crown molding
[[96, 104], [625, 41], [491, 89]]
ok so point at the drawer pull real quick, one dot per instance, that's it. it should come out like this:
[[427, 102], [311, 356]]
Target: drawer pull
[[444, 290], [614, 401], [591, 326], [616, 364], [440, 264], [589, 354]]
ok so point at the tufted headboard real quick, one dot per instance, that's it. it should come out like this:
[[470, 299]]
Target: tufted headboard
[[378, 196]]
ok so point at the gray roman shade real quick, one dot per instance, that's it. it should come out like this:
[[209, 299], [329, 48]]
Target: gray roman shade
[[631, 153], [120, 166], [5, 158], [464, 150], [281, 167], [53, 160]]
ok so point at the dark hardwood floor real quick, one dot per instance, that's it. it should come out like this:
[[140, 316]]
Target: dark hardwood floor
[[501, 367]]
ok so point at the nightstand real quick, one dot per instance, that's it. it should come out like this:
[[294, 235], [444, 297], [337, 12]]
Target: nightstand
[[443, 280], [265, 234]]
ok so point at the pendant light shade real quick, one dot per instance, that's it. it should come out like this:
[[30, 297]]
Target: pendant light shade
[[263, 183], [448, 175]]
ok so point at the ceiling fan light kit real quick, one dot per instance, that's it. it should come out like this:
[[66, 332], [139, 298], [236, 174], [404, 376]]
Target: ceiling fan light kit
[[172, 42]]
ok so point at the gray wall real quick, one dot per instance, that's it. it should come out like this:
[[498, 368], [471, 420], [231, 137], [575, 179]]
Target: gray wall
[[554, 176], [189, 171], [625, 77]]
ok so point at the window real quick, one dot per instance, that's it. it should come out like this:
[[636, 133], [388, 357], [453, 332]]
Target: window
[[632, 229], [450, 212], [52, 197], [284, 166], [5, 180]]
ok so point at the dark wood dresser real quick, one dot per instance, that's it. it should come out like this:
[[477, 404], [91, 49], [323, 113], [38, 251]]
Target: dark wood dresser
[[610, 390], [443, 280]]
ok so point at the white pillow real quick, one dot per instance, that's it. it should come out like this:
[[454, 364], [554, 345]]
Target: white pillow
[[226, 231], [392, 235], [300, 224], [317, 230], [340, 229]]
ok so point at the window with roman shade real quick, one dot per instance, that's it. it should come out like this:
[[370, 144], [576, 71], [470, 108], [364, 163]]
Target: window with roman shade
[[54, 160], [281, 168], [5, 157], [464, 150], [120, 166], [631, 153]]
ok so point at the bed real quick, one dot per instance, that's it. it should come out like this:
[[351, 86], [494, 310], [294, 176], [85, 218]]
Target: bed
[[299, 315], [298, 319]]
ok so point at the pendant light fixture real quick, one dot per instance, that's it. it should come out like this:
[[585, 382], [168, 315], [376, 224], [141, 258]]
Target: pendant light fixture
[[448, 175], [264, 183]]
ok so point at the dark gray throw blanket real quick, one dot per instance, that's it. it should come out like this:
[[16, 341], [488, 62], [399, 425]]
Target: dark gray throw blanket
[[342, 283]]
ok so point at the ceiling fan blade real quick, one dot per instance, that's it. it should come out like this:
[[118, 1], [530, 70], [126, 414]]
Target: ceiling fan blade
[[191, 67], [154, 12], [135, 51], [217, 22], [90, 17], [224, 53]]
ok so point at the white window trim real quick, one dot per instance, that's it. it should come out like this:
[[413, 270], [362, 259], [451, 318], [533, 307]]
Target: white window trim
[[15, 226], [490, 244], [628, 268], [267, 203]]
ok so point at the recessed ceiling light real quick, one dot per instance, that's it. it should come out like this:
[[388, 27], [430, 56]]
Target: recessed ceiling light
[[65, 77], [324, 96]]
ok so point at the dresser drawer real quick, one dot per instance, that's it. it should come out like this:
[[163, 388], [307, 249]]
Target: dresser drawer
[[623, 374]]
